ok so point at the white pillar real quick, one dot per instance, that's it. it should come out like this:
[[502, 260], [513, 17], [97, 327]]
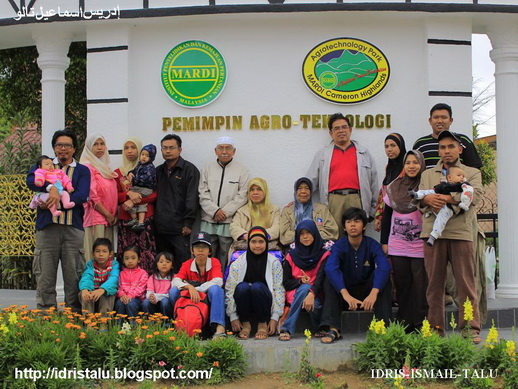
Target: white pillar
[[53, 61], [504, 39]]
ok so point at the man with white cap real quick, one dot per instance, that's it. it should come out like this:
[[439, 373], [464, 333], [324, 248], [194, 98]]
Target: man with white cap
[[223, 190]]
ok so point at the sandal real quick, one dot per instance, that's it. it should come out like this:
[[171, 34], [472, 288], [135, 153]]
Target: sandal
[[219, 335], [262, 332], [244, 333], [320, 334], [331, 337], [476, 339], [284, 336]]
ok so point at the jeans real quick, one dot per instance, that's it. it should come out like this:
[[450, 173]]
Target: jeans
[[163, 306], [296, 306], [216, 299], [131, 309]]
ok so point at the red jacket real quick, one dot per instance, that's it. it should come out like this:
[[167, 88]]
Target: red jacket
[[189, 272], [133, 283]]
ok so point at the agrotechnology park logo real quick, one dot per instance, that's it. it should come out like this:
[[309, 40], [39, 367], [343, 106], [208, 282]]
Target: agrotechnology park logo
[[346, 70], [193, 74]]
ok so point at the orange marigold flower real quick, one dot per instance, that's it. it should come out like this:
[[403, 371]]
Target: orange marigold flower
[[139, 321], [82, 335], [55, 322], [196, 331], [149, 336], [58, 340], [156, 333], [215, 364], [120, 332], [173, 338], [170, 329], [144, 327], [185, 351], [199, 354], [177, 348], [61, 304]]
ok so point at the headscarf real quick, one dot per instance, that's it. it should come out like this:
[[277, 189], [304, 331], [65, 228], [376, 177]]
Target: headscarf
[[102, 165], [256, 263], [128, 165], [397, 191], [260, 213], [303, 211], [307, 257], [394, 166]]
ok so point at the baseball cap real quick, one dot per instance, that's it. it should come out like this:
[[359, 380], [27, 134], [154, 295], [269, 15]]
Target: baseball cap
[[450, 134], [201, 237]]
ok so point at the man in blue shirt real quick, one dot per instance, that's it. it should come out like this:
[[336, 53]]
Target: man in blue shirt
[[60, 237], [357, 276]]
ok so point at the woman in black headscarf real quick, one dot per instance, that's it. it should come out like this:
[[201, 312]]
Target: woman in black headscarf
[[303, 276], [395, 150], [254, 288]]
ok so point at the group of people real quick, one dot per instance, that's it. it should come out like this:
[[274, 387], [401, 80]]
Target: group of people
[[253, 261]]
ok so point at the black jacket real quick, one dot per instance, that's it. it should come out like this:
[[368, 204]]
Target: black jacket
[[177, 197]]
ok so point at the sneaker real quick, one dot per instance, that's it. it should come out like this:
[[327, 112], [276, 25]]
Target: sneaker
[[139, 227], [131, 223]]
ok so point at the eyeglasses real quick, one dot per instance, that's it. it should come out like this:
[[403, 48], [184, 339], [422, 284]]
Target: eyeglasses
[[66, 146], [341, 128], [169, 147]]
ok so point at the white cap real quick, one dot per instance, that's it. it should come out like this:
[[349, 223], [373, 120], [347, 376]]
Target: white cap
[[225, 140]]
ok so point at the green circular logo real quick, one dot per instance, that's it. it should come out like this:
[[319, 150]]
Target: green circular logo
[[328, 80], [193, 74]]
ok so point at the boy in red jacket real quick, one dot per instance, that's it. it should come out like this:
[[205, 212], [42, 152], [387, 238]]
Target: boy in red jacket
[[202, 273]]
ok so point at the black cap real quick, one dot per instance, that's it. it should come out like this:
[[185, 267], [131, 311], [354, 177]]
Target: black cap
[[450, 134], [201, 237]]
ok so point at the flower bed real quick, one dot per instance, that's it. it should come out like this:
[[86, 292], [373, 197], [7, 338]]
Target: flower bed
[[60, 340]]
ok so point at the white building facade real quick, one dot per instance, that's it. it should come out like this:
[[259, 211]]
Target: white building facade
[[277, 121]]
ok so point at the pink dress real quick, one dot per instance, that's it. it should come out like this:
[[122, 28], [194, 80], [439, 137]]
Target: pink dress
[[104, 191]]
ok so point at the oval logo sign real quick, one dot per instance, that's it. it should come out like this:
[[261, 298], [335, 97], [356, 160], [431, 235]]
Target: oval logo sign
[[346, 70], [194, 74]]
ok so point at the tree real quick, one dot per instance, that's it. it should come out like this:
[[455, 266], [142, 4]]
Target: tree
[[20, 86]]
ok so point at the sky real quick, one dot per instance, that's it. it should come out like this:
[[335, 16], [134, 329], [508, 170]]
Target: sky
[[483, 71]]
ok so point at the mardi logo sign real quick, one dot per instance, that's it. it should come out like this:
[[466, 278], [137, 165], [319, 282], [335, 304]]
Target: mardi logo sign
[[346, 70], [193, 74]]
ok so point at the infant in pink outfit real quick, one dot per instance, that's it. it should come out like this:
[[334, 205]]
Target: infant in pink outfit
[[57, 177]]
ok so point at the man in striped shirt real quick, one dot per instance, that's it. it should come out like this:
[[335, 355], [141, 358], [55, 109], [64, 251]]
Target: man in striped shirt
[[441, 120]]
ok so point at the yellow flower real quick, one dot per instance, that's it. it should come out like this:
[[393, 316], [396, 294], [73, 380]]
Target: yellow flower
[[12, 318], [468, 310], [307, 333], [426, 330], [397, 382], [379, 327], [492, 337], [510, 348], [453, 324], [4, 328]]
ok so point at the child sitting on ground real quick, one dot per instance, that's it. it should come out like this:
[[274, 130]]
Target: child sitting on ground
[[46, 173], [100, 279], [132, 283], [202, 274], [456, 182], [158, 285], [143, 181]]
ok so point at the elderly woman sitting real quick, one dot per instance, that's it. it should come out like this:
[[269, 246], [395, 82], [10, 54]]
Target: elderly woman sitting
[[303, 208]]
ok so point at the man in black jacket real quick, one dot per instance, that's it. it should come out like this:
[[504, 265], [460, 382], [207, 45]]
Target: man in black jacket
[[177, 201]]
